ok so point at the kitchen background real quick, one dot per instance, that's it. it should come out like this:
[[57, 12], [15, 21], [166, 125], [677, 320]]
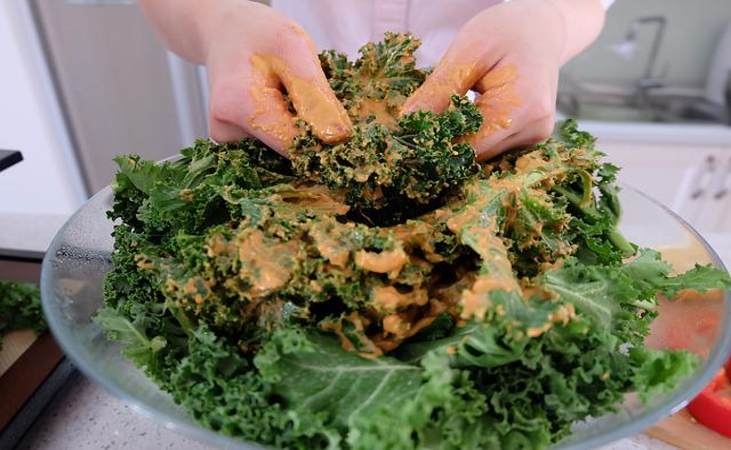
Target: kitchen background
[[84, 80]]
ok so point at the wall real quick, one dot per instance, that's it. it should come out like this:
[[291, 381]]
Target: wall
[[45, 183], [694, 27]]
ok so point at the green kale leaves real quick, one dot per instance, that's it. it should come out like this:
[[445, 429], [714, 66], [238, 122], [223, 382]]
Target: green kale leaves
[[389, 291], [20, 308]]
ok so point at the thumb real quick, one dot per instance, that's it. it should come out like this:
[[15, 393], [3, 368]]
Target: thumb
[[445, 81]]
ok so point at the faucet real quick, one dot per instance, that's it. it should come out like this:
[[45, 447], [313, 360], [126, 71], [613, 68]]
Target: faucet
[[628, 46]]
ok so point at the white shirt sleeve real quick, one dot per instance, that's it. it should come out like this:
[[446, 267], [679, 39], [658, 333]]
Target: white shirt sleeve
[[607, 3]]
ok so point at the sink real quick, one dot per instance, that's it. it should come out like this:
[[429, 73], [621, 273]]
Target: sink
[[628, 103], [611, 113]]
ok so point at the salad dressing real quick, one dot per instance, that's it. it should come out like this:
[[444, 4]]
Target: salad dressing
[[389, 298], [379, 110], [329, 246], [388, 261], [266, 264]]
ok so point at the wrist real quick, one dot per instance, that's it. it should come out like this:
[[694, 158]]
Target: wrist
[[518, 21], [208, 20], [217, 16], [581, 22]]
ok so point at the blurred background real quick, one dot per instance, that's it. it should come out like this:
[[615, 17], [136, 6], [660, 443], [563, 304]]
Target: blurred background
[[85, 80]]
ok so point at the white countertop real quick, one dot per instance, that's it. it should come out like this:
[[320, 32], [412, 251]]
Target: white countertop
[[659, 133], [29, 232]]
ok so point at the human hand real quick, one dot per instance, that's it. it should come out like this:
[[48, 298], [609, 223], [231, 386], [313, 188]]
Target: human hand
[[511, 54], [253, 55]]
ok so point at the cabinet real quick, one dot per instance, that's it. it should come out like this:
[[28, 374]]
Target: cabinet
[[693, 181], [722, 195]]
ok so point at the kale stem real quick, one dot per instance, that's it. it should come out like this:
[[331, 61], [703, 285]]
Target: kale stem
[[181, 317], [619, 241]]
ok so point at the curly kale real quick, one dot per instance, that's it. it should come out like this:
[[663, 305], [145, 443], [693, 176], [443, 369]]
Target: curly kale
[[20, 308], [388, 291], [390, 161], [386, 71], [190, 193]]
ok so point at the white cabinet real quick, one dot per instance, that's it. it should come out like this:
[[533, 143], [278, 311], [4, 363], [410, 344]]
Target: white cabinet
[[721, 195], [693, 181]]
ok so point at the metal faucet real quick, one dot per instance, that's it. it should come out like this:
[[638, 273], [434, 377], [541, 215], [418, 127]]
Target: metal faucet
[[628, 46]]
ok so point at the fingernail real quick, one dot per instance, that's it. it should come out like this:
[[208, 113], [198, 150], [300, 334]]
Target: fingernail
[[334, 132]]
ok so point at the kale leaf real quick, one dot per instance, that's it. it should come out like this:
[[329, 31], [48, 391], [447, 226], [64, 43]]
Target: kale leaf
[[20, 308]]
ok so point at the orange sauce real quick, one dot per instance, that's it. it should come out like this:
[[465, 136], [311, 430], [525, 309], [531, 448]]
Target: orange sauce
[[390, 261], [390, 299], [329, 246], [266, 264], [379, 110]]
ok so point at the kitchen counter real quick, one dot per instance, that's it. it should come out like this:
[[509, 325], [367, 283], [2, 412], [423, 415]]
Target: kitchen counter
[[85, 417], [691, 134], [23, 234]]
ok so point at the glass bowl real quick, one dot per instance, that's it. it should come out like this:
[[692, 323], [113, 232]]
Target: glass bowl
[[79, 256]]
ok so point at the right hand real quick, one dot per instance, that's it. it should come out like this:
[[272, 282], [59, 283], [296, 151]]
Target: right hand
[[254, 55]]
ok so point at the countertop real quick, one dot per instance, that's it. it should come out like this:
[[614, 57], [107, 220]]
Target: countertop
[[691, 134], [83, 416], [28, 233]]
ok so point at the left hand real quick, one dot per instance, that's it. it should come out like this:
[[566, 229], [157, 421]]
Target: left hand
[[510, 54]]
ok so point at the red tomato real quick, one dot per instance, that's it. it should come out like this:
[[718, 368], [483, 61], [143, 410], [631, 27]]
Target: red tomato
[[712, 407]]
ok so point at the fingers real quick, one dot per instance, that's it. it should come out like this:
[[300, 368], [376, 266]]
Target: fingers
[[226, 132], [296, 65], [516, 111], [531, 133], [451, 77], [248, 94], [252, 104], [446, 80], [499, 104]]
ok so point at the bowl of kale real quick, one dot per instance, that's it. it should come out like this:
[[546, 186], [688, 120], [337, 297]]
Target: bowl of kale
[[388, 291]]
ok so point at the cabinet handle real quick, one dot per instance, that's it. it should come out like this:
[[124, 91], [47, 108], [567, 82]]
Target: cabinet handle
[[723, 187], [704, 177]]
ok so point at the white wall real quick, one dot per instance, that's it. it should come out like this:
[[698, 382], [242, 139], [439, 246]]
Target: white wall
[[47, 181]]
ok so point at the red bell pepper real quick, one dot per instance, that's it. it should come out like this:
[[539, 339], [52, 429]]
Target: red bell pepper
[[712, 407]]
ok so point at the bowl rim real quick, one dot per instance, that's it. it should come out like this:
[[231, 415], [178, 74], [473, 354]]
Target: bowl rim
[[675, 402]]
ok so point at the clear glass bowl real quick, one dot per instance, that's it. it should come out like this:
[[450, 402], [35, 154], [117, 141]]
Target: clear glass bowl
[[79, 256]]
